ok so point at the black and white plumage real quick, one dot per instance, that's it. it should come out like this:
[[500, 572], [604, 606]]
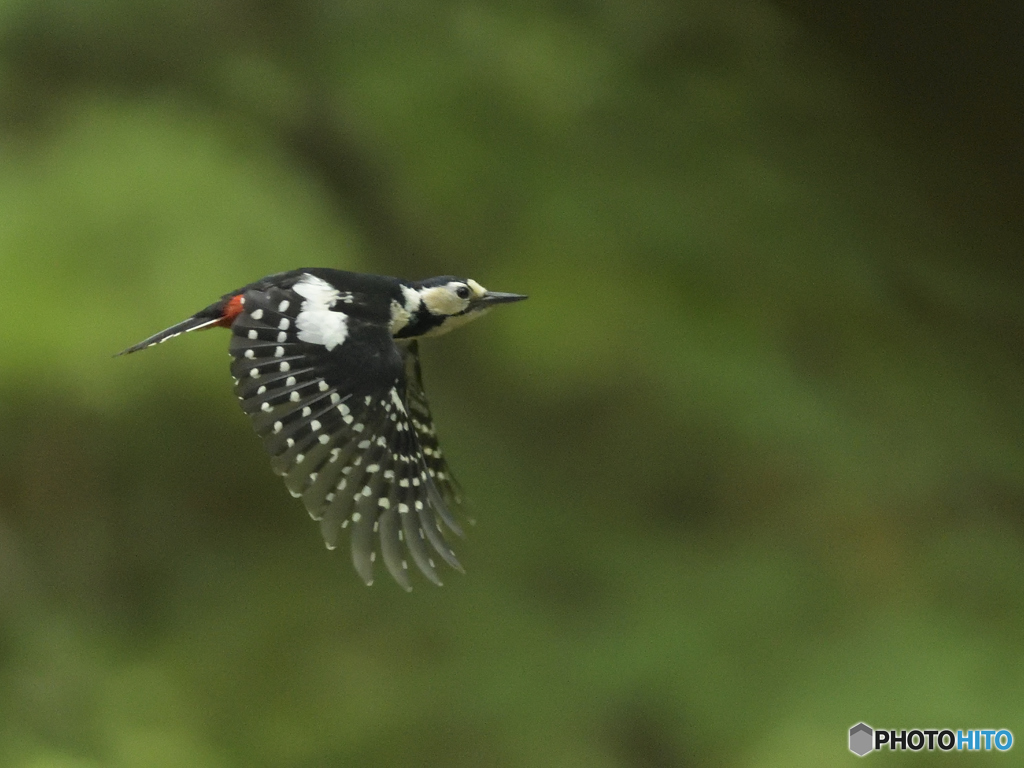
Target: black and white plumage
[[326, 365]]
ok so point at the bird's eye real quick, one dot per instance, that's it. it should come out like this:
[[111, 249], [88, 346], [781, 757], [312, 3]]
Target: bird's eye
[[462, 292]]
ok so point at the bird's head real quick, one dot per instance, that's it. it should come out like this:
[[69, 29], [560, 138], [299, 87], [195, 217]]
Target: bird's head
[[439, 304]]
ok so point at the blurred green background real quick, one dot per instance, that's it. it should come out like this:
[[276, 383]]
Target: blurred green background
[[747, 468]]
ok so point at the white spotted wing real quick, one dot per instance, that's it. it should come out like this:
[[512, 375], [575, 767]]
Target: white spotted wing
[[348, 428], [426, 434]]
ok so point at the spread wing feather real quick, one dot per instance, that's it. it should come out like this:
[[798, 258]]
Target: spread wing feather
[[426, 434], [360, 455]]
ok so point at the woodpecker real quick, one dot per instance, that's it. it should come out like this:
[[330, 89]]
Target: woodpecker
[[326, 365]]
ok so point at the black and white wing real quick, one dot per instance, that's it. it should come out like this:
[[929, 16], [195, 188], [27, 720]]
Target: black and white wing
[[423, 423], [328, 398]]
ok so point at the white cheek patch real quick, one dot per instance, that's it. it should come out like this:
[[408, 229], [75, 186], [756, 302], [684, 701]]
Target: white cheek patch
[[316, 323], [442, 300]]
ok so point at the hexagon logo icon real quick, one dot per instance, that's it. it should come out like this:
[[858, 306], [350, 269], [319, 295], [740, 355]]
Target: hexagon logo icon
[[861, 739]]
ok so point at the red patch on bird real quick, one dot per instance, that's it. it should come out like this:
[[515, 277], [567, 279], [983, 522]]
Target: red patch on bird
[[231, 310]]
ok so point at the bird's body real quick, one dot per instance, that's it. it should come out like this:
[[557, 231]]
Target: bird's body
[[326, 364]]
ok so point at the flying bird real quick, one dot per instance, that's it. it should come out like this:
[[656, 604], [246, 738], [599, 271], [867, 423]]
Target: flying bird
[[326, 365]]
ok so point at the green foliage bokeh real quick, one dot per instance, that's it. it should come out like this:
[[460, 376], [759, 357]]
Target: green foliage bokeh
[[746, 469]]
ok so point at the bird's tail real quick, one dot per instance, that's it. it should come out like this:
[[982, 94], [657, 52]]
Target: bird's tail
[[194, 323], [222, 313]]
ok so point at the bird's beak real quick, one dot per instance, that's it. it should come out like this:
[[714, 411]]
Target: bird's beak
[[491, 298]]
